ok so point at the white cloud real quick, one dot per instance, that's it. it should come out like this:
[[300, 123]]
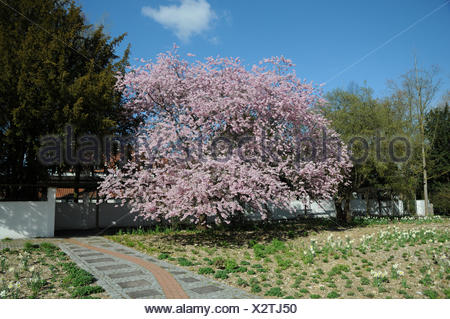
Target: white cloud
[[189, 18]]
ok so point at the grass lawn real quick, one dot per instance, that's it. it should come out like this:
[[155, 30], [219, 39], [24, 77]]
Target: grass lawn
[[44, 271], [376, 258]]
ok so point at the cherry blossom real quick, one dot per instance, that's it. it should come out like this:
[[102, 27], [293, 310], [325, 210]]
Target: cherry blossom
[[195, 112]]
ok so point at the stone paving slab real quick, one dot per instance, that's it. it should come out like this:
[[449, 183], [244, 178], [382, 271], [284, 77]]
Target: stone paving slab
[[104, 270], [127, 274], [122, 278], [148, 293]]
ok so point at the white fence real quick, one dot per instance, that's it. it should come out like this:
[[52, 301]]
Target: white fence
[[28, 219], [81, 216], [376, 208], [40, 219]]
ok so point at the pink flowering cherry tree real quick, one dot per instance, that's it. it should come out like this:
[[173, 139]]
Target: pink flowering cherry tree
[[219, 140]]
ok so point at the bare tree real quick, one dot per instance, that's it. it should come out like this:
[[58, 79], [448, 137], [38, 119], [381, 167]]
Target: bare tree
[[418, 89]]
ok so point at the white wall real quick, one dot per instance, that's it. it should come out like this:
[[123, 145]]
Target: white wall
[[40, 219], [321, 208], [80, 216], [388, 208], [28, 219], [420, 208]]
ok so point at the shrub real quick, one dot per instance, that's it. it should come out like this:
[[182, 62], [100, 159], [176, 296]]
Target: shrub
[[447, 293], [184, 262], [261, 269], [259, 250], [48, 248], [76, 277], [275, 245], [256, 288], [219, 262], [241, 282], [283, 263], [333, 295], [275, 292], [426, 281], [86, 291], [205, 270], [28, 246], [338, 269], [163, 256], [231, 265], [304, 291], [241, 269], [221, 274], [431, 294]]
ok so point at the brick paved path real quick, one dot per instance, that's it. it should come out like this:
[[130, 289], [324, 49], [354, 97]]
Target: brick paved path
[[126, 273]]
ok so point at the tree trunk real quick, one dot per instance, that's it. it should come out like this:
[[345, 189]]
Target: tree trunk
[[347, 212], [339, 211], [367, 201], [202, 222], [424, 164], [343, 215]]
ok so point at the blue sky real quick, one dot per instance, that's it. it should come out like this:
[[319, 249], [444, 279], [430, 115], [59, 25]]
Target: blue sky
[[323, 38]]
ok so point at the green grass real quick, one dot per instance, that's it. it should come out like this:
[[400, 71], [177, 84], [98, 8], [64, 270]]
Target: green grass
[[184, 262], [76, 277], [338, 269], [275, 292], [282, 256], [255, 288], [241, 282], [221, 274], [66, 276], [205, 270], [163, 256], [432, 294], [333, 295], [86, 291]]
